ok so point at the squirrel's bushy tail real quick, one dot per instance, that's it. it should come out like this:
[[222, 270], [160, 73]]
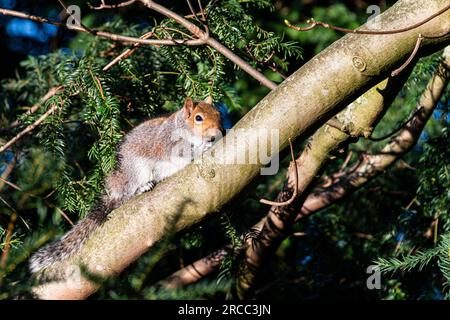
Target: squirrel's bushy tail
[[72, 240]]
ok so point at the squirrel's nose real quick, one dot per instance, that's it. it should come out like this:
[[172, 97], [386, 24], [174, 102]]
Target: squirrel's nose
[[213, 135]]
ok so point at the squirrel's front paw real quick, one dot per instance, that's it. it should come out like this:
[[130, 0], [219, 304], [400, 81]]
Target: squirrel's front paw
[[146, 187]]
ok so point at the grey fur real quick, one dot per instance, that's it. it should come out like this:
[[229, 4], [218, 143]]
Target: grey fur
[[71, 241], [148, 154]]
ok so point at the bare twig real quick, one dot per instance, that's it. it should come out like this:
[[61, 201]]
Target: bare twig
[[62, 213], [410, 58], [112, 6], [174, 30], [35, 107], [15, 186], [7, 171], [202, 12], [79, 21], [313, 23], [346, 161], [193, 11], [8, 237], [207, 39], [29, 128], [202, 37], [12, 185], [192, 16], [98, 84], [419, 109], [195, 271], [266, 63], [294, 194], [102, 34], [127, 52]]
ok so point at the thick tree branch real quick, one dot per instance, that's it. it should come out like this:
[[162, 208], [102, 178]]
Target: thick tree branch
[[361, 116], [348, 182], [314, 93], [276, 226], [373, 165]]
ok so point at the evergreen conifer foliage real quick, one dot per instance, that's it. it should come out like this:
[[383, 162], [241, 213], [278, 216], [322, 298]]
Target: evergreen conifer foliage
[[62, 163], [79, 101]]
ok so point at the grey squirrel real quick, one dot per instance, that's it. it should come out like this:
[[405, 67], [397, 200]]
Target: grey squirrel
[[151, 152]]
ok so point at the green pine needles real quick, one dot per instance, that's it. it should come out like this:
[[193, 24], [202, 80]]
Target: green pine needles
[[62, 163], [433, 195]]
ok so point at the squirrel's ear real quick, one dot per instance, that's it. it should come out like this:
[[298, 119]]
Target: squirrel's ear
[[209, 100], [188, 107]]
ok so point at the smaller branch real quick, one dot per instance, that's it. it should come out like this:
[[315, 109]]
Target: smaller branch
[[191, 16], [28, 129], [164, 28], [9, 233], [202, 12], [196, 270], [12, 185], [294, 194], [35, 107], [266, 63], [346, 161], [98, 84], [193, 11], [127, 52], [269, 57], [403, 125], [313, 23], [327, 181], [15, 186], [69, 14], [112, 6], [207, 39], [7, 171], [419, 40], [62, 213], [102, 34], [335, 123]]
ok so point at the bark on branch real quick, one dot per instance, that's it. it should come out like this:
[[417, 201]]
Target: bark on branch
[[367, 110], [361, 116], [375, 164], [309, 97]]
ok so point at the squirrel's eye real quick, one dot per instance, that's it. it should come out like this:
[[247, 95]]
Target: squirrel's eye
[[198, 118]]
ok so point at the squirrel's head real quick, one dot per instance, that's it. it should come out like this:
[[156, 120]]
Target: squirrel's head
[[204, 119]]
